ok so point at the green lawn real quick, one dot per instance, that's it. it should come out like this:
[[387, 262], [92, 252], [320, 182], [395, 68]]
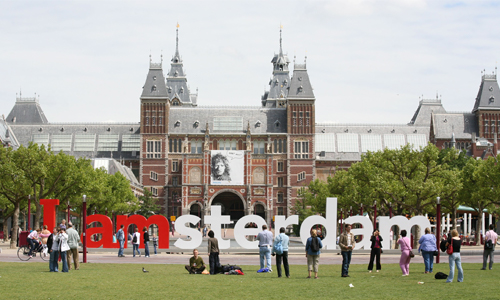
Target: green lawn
[[127, 281]]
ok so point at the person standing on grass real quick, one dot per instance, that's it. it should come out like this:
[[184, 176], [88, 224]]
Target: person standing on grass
[[53, 246], [376, 247], [428, 247], [146, 241], [346, 243], [265, 238], [454, 258], [63, 248], [313, 246], [285, 241], [213, 252], [73, 240], [136, 240], [404, 261], [493, 237], [155, 242], [120, 236]]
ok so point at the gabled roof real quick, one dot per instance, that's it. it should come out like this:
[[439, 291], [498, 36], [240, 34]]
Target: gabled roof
[[462, 125], [488, 97], [27, 111], [425, 107], [154, 87], [300, 86]]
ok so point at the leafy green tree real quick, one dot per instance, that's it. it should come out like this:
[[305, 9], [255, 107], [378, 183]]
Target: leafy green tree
[[14, 185], [481, 186], [147, 205]]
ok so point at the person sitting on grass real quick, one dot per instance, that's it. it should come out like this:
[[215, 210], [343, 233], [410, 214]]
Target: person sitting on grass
[[196, 264]]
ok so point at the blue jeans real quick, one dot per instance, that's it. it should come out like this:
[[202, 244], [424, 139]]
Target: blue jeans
[[146, 249], [122, 245], [265, 256], [428, 260], [346, 260], [64, 261], [214, 262], [135, 247], [154, 246], [33, 245], [53, 264], [455, 259]]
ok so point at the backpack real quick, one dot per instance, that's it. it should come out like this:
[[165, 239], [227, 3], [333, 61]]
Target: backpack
[[488, 244], [440, 275], [315, 245], [278, 247], [134, 239]]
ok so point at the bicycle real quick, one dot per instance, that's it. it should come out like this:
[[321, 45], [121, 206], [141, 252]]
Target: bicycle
[[24, 250]]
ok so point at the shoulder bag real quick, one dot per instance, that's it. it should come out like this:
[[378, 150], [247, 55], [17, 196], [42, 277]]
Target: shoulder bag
[[449, 250], [412, 255]]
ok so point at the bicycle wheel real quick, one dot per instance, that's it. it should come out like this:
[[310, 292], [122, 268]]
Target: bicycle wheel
[[23, 253], [44, 256]]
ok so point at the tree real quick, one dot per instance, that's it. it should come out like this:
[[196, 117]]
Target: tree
[[147, 205], [14, 185], [481, 186]]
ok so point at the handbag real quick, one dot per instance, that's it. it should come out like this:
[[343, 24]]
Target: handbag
[[449, 250], [412, 255], [435, 253]]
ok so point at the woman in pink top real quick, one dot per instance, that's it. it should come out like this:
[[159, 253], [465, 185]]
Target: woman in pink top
[[404, 261], [45, 234]]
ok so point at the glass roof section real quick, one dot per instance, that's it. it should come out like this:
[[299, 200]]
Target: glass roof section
[[371, 142], [348, 142], [394, 141], [228, 123], [324, 142]]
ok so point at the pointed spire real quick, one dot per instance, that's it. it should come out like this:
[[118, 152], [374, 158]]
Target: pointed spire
[[177, 40], [281, 44]]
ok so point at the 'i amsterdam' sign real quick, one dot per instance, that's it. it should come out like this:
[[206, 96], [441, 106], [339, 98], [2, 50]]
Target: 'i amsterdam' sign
[[216, 220]]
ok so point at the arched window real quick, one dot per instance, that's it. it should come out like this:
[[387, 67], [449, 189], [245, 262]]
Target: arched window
[[258, 147]]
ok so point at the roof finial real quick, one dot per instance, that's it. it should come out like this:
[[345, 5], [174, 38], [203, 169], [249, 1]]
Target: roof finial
[[177, 40], [281, 49]]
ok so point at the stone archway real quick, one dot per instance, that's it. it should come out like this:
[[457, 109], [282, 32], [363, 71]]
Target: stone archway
[[231, 203], [259, 209]]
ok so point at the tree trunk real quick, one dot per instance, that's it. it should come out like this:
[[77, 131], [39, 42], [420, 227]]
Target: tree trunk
[[38, 214], [454, 219], [5, 228], [15, 226], [24, 221]]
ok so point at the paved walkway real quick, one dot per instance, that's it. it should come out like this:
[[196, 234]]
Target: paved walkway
[[248, 257]]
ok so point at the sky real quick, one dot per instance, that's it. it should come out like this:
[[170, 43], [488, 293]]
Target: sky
[[368, 61]]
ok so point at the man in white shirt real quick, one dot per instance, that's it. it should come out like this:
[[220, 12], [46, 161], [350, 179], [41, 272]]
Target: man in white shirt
[[490, 235], [136, 240], [265, 239]]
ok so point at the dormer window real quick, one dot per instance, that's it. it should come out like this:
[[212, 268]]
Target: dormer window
[[300, 88], [285, 82], [492, 99], [176, 73], [175, 102], [258, 123], [181, 90], [169, 89], [153, 88], [196, 124], [177, 123], [154, 77], [277, 124]]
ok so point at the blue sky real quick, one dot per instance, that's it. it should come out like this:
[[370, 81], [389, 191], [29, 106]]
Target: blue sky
[[369, 61]]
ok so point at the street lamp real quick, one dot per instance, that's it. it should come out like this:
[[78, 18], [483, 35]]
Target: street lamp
[[438, 225], [84, 232], [29, 212]]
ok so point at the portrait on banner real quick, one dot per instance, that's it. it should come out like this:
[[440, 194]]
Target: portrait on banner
[[227, 167]]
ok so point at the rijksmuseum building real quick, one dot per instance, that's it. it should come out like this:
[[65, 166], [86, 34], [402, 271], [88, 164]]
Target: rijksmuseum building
[[248, 160]]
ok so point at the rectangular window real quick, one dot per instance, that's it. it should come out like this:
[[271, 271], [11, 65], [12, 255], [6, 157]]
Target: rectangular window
[[301, 114], [154, 191], [153, 149], [301, 176], [258, 147], [153, 176], [280, 197], [280, 181], [485, 126], [281, 211], [301, 150], [307, 114], [295, 114], [175, 181], [281, 166], [492, 126], [175, 145], [175, 166]]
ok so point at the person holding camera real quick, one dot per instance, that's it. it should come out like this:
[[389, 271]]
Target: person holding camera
[[62, 236], [376, 246]]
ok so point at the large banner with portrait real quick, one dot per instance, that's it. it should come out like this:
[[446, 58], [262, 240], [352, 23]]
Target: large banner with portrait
[[227, 167]]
